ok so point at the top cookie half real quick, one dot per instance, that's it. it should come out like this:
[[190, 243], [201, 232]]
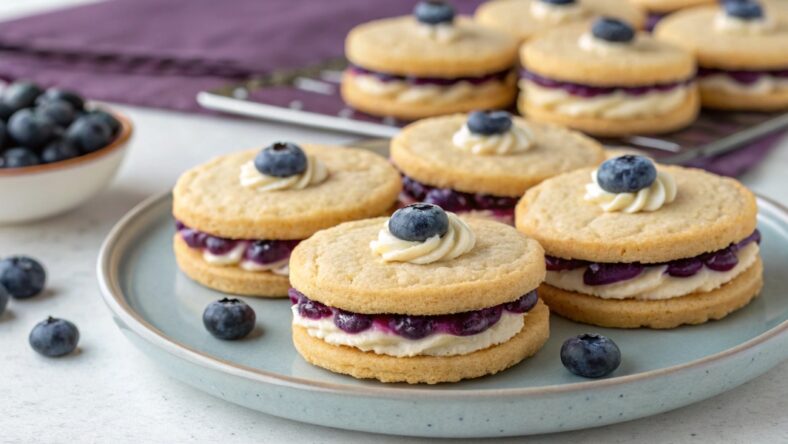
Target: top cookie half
[[210, 197]]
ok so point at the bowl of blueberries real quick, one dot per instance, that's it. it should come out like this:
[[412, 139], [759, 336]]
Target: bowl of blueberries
[[56, 151]]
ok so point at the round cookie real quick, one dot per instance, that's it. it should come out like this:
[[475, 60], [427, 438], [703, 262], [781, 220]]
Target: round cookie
[[425, 152], [515, 17], [695, 308], [667, 6], [211, 199], [337, 268], [709, 213], [427, 369]]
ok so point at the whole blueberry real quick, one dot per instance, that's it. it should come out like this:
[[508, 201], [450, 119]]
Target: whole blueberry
[[21, 95], [30, 129], [22, 276], [612, 30], [281, 159], [411, 327], [56, 94], [58, 111], [3, 134], [352, 322], [6, 111], [20, 157], [58, 150], [590, 355], [54, 337], [5, 296], [419, 222], [626, 174], [229, 319], [747, 10], [489, 122], [433, 12], [449, 199], [89, 133], [107, 118]]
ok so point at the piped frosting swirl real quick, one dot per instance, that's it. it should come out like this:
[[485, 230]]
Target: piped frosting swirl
[[315, 173], [516, 140], [661, 192], [738, 26], [458, 240]]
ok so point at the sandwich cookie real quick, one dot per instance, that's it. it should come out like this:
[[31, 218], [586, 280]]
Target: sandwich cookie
[[742, 55], [239, 216], [608, 80], [482, 163], [633, 245], [524, 19], [422, 297], [659, 9], [428, 64]]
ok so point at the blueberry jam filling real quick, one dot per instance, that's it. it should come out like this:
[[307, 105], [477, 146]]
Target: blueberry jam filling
[[262, 252], [413, 327], [499, 76], [744, 77], [588, 91], [597, 273], [457, 201]]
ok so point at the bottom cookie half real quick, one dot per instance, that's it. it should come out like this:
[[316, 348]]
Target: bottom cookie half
[[717, 99], [228, 279], [427, 369], [695, 308]]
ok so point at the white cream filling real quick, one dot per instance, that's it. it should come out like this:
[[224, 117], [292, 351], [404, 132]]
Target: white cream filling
[[436, 344], [404, 92], [738, 26], [518, 139], [616, 105], [765, 84], [458, 240], [662, 191], [251, 177], [654, 283], [557, 14], [236, 257], [442, 32]]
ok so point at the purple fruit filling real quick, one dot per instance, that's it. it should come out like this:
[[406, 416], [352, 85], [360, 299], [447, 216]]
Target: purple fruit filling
[[262, 252], [652, 20], [597, 273], [589, 91], [413, 327], [439, 81], [744, 77], [456, 201]]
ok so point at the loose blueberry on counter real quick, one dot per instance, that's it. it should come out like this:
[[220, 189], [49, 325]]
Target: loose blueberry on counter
[[746, 10], [281, 159], [59, 150], [590, 355], [626, 174], [5, 296], [20, 157], [434, 12], [411, 327], [31, 129], [58, 111], [20, 95], [489, 122], [89, 133], [612, 30], [448, 199], [418, 222], [56, 94], [22, 276], [352, 322], [54, 337], [229, 319]]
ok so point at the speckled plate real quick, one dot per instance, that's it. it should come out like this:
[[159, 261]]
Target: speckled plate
[[159, 310]]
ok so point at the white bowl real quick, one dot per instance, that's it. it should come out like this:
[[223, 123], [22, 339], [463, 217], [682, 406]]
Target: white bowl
[[41, 191]]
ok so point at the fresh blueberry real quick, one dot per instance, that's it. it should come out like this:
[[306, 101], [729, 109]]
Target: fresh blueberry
[[626, 174], [5, 296], [21, 95], [60, 149], [312, 309], [489, 122], [433, 12], [30, 129], [604, 273], [352, 322], [3, 134], [269, 251], [58, 111], [89, 133], [56, 94], [474, 322], [20, 157], [54, 337], [411, 327], [524, 304], [22, 276], [746, 10], [612, 30], [107, 118], [590, 355], [449, 199], [419, 222], [281, 159], [6, 111], [228, 319], [560, 2], [219, 245]]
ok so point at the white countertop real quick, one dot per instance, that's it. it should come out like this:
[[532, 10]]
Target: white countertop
[[110, 392]]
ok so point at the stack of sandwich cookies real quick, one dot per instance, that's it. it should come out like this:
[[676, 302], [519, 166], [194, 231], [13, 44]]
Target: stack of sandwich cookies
[[608, 80], [422, 297], [742, 56], [633, 245], [524, 19], [483, 162], [428, 64], [239, 216]]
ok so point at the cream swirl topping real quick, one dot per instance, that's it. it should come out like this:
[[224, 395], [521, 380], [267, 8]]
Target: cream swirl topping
[[738, 26], [517, 139], [441, 32], [555, 14], [662, 191], [458, 240], [315, 173]]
